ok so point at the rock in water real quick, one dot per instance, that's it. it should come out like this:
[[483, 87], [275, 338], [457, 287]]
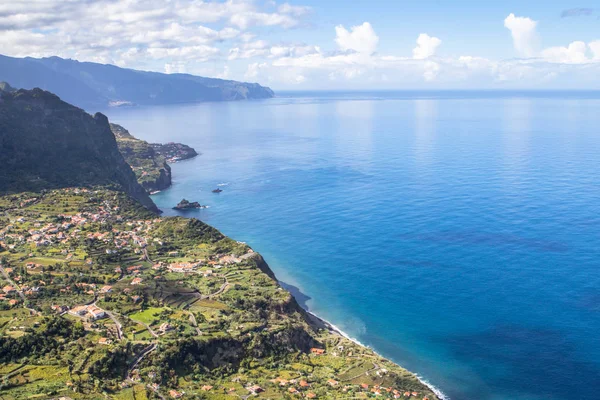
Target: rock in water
[[187, 205]]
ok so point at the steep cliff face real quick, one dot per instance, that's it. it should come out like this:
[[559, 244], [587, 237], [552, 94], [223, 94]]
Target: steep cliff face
[[150, 168], [47, 143]]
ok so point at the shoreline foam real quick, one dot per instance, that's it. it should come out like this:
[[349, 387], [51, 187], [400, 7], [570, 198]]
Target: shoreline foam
[[333, 328]]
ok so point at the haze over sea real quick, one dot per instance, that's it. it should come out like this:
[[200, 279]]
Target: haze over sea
[[457, 233]]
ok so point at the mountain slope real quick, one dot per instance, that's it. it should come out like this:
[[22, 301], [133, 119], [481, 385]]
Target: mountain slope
[[96, 85], [149, 160], [47, 143]]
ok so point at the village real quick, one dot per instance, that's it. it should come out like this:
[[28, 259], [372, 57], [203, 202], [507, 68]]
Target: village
[[141, 286]]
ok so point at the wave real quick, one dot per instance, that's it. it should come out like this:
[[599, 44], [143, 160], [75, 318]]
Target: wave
[[438, 392], [223, 184]]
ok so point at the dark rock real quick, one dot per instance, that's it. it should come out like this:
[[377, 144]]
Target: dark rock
[[187, 205], [47, 143]]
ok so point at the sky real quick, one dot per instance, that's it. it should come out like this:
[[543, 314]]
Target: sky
[[323, 44]]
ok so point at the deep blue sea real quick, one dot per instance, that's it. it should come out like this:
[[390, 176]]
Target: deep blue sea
[[457, 233]]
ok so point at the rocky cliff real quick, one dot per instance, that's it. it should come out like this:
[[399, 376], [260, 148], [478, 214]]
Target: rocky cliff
[[48, 143], [150, 168]]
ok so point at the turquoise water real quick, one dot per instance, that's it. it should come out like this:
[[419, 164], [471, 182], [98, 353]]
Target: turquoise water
[[456, 233]]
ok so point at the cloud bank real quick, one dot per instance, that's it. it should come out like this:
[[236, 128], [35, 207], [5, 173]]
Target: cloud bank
[[239, 39]]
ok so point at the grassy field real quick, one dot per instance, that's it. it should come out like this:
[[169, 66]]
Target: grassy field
[[148, 316]]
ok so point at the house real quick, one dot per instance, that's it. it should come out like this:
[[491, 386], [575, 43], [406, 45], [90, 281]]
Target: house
[[105, 341], [255, 389], [165, 327], [96, 312], [13, 302], [311, 395], [106, 289], [78, 311], [304, 384], [175, 394], [136, 281], [8, 289], [229, 260], [60, 309], [332, 382], [183, 267], [136, 298], [316, 351], [206, 388], [292, 390]]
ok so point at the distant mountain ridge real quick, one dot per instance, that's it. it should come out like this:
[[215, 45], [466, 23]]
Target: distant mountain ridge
[[87, 84]]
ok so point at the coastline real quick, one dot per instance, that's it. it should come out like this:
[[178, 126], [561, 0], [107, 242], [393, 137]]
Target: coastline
[[300, 298], [336, 330]]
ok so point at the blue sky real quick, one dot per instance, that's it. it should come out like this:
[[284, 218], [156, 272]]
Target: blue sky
[[327, 44]]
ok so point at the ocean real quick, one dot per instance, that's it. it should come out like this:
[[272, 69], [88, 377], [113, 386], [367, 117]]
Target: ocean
[[456, 233]]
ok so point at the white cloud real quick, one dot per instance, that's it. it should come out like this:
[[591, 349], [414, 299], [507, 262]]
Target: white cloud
[[361, 38], [426, 46], [595, 49], [175, 68], [254, 69], [293, 51], [298, 11], [575, 53], [248, 50], [523, 31], [107, 29], [432, 69]]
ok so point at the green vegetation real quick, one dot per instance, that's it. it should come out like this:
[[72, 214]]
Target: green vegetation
[[149, 161], [102, 299], [109, 301]]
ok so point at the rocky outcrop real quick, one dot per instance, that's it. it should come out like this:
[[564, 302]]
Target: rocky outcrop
[[150, 160], [151, 168], [187, 205], [48, 143]]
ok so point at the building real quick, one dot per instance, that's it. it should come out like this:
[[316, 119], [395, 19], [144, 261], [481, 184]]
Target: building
[[106, 289], [136, 281], [8, 289], [96, 312], [78, 311]]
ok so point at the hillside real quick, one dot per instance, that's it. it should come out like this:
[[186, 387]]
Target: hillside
[[89, 85], [149, 161], [102, 300], [47, 143]]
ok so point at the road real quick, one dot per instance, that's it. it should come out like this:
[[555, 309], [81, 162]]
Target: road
[[147, 327], [12, 283], [195, 323], [139, 358], [221, 289], [117, 324]]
